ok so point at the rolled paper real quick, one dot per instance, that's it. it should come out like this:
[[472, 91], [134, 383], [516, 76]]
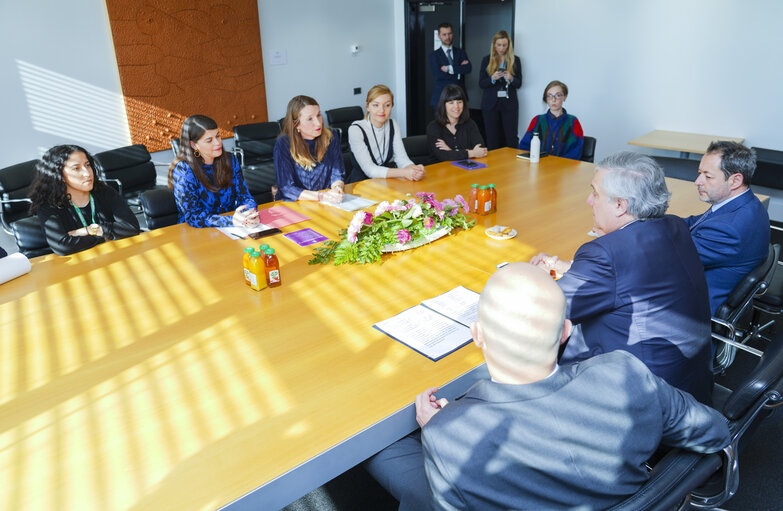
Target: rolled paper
[[12, 266]]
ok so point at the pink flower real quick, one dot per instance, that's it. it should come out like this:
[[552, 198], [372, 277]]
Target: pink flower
[[428, 223], [367, 218], [351, 236], [462, 202], [397, 205], [436, 204], [425, 196], [441, 214], [403, 236], [355, 226], [450, 203], [382, 208]]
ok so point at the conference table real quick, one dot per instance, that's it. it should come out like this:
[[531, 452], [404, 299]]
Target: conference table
[[683, 142], [144, 374]]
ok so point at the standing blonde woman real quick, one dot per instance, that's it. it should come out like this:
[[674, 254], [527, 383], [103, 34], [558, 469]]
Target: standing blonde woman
[[500, 76], [308, 158], [376, 144]]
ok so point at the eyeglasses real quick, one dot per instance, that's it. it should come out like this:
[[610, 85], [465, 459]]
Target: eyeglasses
[[554, 96]]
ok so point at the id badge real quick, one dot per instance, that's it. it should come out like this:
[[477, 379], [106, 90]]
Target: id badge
[[502, 94]]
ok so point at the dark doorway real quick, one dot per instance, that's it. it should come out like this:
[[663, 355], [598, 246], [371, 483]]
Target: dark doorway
[[475, 22]]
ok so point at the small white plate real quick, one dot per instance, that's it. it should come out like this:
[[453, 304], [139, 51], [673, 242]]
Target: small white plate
[[501, 232]]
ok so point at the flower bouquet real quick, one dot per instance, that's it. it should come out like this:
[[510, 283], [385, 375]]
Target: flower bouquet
[[397, 225]]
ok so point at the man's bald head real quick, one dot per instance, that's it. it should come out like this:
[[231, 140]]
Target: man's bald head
[[520, 326]]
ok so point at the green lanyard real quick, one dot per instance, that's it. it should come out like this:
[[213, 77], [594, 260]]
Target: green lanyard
[[79, 211]]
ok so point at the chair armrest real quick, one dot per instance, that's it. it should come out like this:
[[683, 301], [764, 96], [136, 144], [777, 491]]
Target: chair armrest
[[117, 181], [239, 153], [730, 340], [6, 227], [25, 199]]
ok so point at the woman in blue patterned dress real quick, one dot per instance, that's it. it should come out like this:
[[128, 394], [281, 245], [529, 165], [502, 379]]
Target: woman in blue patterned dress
[[207, 181], [308, 158]]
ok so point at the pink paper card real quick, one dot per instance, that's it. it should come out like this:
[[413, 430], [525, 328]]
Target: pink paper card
[[280, 216]]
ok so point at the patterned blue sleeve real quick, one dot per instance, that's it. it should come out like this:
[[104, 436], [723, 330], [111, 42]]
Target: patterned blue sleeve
[[193, 201], [240, 187], [337, 172], [285, 167]]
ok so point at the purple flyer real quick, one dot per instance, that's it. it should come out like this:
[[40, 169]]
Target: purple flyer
[[304, 237], [469, 164]]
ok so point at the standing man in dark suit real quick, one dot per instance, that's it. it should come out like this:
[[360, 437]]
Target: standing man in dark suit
[[732, 237], [538, 435], [448, 64], [640, 285]]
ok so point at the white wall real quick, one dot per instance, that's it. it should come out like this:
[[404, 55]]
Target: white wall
[[702, 66], [59, 79], [316, 36]]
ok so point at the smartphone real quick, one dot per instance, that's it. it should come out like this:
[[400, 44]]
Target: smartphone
[[526, 156], [467, 164], [262, 234]]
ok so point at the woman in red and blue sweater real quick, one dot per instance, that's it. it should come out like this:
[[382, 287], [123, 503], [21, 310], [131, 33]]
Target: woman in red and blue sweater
[[560, 133]]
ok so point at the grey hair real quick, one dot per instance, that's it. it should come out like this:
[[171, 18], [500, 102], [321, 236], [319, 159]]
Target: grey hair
[[639, 180], [735, 159]]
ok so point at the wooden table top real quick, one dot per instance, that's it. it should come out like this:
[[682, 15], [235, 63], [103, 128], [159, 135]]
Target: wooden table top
[[143, 374], [680, 141]]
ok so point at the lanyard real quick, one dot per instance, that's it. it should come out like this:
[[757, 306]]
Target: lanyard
[[382, 144], [79, 211]]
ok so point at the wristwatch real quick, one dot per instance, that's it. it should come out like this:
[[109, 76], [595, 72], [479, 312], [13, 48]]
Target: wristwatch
[[92, 229]]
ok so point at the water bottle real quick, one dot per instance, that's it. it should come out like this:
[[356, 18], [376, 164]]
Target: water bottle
[[535, 149]]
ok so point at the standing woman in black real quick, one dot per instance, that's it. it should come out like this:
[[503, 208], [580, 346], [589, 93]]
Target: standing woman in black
[[500, 79]]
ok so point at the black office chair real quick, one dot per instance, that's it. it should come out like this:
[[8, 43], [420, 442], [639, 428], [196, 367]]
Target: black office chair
[[342, 118], [726, 326], [769, 168], [418, 150], [30, 237], [159, 208], [15, 182], [132, 167], [678, 168], [770, 303], [254, 144], [684, 478], [588, 150]]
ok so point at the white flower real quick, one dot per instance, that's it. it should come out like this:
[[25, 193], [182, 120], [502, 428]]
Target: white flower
[[382, 208], [416, 211]]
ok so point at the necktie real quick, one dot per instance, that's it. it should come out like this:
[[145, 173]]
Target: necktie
[[449, 56], [701, 218]]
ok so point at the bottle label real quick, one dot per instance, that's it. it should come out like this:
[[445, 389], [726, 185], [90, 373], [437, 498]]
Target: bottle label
[[274, 276], [487, 206], [475, 205], [253, 278], [247, 274]]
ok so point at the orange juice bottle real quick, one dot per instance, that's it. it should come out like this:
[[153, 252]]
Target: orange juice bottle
[[257, 280], [473, 197], [246, 264], [493, 197], [272, 268], [484, 202], [262, 249]]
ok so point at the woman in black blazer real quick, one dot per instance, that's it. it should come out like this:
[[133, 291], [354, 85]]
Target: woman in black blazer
[[500, 82]]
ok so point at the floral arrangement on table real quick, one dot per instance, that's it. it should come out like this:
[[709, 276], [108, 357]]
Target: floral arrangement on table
[[398, 225]]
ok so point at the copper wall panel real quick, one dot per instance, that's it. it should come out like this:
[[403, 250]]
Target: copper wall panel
[[178, 58]]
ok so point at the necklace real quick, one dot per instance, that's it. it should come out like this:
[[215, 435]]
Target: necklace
[[93, 227]]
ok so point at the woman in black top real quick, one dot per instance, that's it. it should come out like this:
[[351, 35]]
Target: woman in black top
[[76, 210], [453, 135]]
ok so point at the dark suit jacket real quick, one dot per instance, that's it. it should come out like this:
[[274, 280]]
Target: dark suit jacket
[[731, 242], [490, 95], [642, 289], [437, 59], [578, 439]]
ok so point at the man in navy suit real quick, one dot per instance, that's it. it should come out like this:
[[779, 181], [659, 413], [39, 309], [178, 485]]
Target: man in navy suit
[[732, 237], [640, 285], [448, 64], [538, 435]]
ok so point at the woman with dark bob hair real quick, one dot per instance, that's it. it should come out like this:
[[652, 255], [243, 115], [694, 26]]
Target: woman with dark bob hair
[[76, 210], [308, 157], [207, 181], [453, 135]]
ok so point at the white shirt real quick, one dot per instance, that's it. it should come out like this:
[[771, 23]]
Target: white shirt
[[362, 155]]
